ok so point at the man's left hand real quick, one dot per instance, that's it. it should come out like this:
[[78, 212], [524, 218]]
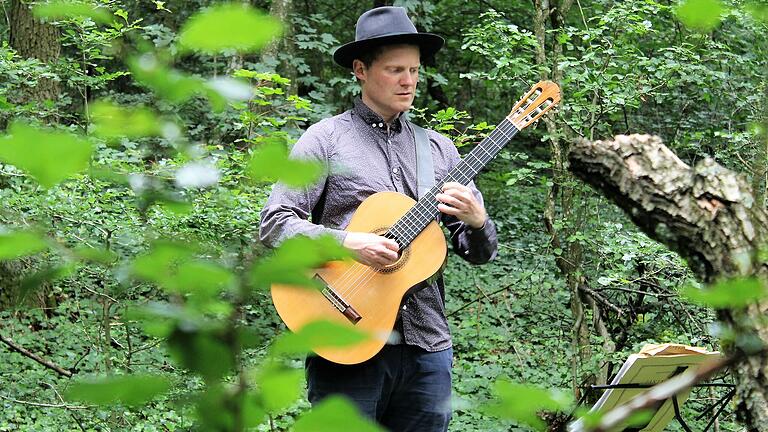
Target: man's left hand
[[458, 200]]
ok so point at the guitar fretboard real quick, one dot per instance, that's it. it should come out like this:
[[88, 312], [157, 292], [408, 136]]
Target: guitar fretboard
[[408, 227]]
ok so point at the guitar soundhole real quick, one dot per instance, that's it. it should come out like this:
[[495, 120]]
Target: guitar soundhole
[[402, 258]]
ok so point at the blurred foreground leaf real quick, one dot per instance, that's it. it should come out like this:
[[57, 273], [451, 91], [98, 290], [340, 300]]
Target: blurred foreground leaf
[[20, 243], [280, 386], [175, 86], [95, 255], [228, 27], [72, 9], [292, 261], [522, 403], [113, 121], [334, 414], [701, 15], [727, 294], [271, 162], [131, 390], [159, 263], [203, 351], [759, 11], [318, 334], [48, 155]]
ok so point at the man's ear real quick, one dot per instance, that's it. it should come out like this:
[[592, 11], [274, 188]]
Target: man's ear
[[359, 69]]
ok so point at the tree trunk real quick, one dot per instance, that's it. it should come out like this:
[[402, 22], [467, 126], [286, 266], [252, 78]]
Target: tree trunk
[[32, 38], [282, 49], [568, 255], [708, 215]]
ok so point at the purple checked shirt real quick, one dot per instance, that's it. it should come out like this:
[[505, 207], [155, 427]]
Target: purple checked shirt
[[364, 156]]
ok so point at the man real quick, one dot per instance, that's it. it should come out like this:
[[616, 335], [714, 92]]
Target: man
[[368, 149]]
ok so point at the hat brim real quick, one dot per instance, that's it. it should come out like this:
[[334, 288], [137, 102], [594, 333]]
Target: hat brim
[[428, 43]]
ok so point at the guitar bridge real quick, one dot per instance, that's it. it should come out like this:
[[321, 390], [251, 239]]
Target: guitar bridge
[[338, 302]]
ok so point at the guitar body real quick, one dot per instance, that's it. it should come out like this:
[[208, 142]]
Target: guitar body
[[374, 295]]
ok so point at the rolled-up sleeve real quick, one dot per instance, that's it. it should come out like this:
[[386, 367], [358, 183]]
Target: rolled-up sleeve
[[288, 211]]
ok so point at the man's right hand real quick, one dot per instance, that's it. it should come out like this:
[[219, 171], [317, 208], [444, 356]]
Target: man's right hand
[[371, 249]]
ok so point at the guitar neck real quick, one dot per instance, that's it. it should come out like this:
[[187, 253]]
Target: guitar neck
[[425, 211]]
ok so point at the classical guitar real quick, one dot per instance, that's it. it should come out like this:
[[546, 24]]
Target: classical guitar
[[369, 298]]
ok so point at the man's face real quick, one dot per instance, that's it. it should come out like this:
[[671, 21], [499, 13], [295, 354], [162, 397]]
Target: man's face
[[389, 84]]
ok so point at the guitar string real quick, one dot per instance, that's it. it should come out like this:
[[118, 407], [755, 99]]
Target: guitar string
[[362, 277], [350, 290]]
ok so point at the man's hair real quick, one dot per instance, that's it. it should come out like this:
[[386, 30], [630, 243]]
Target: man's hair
[[370, 56]]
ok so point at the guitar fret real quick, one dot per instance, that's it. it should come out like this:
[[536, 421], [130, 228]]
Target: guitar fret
[[425, 210]]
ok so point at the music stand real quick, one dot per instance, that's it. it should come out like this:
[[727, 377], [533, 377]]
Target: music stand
[[652, 365]]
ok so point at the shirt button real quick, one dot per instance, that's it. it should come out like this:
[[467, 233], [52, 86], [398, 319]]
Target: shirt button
[[395, 170], [405, 307], [381, 124]]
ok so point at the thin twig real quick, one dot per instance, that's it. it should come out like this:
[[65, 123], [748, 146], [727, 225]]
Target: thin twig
[[83, 221], [99, 294], [652, 294], [595, 295], [44, 405], [504, 288], [47, 363]]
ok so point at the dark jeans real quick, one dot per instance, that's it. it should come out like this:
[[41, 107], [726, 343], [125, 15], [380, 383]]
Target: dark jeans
[[403, 388]]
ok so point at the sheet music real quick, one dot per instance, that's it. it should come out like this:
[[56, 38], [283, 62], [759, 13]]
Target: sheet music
[[654, 364]]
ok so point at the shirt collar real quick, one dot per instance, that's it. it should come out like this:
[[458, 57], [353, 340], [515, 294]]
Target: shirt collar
[[374, 120]]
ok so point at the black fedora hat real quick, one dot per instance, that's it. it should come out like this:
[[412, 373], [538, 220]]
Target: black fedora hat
[[385, 26]]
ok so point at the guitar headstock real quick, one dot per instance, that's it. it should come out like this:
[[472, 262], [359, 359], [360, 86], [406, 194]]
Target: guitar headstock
[[542, 97]]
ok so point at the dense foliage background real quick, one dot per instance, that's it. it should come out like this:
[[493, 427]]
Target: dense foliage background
[[142, 139]]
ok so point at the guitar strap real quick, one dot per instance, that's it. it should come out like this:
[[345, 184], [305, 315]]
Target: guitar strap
[[425, 173], [425, 169]]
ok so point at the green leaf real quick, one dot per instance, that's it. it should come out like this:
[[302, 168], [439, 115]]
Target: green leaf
[[701, 15], [131, 390], [204, 352], [72, 9], [113, 121], [280, 387], [162, 319], [728, 294], [522, 403], [758, 11], [20, 243], [253, 413], [168, 83], [201, 278], [95, 255], [334, 414], [228, 27], [293, 260], [171, 266], [48, 155], [270, 162], [158, 265], [47, 274], [318, 334]]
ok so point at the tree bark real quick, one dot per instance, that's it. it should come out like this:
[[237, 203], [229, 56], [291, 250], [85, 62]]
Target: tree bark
[[561, 195], [708, 215], [281, 10], [32, 38]]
